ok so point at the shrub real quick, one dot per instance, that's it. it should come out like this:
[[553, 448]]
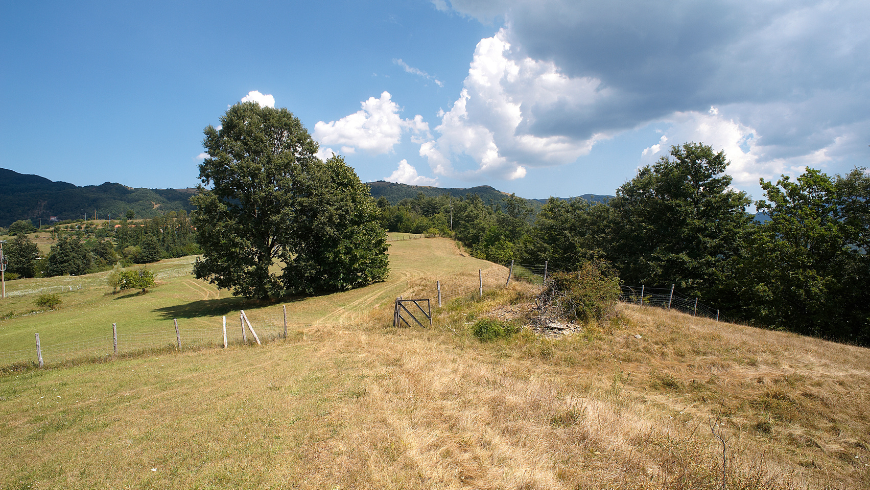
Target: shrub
[[487, 329], [589, 294], [50, 301], [141, 279]]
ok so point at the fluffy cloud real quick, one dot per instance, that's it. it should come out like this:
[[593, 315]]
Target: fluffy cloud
[[575, 72], [375, 128], [407, 174], [493, 120], [263, 100]]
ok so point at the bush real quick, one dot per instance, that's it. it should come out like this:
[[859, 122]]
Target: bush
[[487, 329], [50, 301], [141, 279], [588, 295]]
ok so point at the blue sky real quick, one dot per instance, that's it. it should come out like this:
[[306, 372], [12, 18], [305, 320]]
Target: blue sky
[[551, 97]]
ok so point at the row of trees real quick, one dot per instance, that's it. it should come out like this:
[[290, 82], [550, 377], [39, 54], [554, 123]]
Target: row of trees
[[89, 249], [804, 267]]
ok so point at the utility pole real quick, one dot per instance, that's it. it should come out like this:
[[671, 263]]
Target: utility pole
[[3, 267]]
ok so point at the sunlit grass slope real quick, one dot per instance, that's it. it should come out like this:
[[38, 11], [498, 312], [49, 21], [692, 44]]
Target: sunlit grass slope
[[652, 399], [82, 325]]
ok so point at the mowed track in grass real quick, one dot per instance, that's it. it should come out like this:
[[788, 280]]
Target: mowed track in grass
[[369, 406], [355, 403], [82, 325]]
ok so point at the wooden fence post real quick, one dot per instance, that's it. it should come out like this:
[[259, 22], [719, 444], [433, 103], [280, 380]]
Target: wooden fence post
[[695, 312], [671, 297], [546, 263], [225, 332], [641, 294], [38, 351], [438, 285], [480, 279], [242, 321], [177, 335], [510, 273], [251, 328], [115, 338], [717, 315], [284, 307]]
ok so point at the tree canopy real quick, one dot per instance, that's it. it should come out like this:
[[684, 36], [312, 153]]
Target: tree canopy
[[806, 269], [273, 219], [678, 221], [21, 253]]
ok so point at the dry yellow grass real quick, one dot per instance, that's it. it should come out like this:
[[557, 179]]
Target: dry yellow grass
[[360, 404]]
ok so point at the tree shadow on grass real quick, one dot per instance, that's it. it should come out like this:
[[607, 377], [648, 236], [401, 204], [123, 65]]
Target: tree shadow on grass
[[218, 307]]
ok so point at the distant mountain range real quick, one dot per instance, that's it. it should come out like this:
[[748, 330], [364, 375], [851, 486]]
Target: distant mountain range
[[397, 192], [42, 201]]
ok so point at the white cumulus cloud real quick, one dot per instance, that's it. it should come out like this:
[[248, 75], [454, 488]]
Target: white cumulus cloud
[[494, 119], [263, 100], [795, 91], [375, 128], [407, 174]]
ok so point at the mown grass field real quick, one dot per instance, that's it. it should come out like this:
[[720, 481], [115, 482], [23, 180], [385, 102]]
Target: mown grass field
[[645, 401], [82, 325]]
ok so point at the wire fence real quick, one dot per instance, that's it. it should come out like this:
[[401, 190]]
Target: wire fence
[[667, 298], [270, 324], [126, 341]]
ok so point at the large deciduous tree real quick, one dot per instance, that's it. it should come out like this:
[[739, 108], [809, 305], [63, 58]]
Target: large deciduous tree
[[273, 219], [807, 268], [679, 222]]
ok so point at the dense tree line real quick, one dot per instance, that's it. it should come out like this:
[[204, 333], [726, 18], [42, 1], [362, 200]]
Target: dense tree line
[[84, 247], [805, 269]]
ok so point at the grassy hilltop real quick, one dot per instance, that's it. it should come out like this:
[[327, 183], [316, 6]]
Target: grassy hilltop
[[647, 400]]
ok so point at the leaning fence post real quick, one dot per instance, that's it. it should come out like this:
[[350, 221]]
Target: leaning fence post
[[438, 285], [510, 273], [480, 279], [225, 332], [284, 307], [38, 351], [546, 262], [671, 296], [115, 338], [242, 321], [177, 335], [250, 327]]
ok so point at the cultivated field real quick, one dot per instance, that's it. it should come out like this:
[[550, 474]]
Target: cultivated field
[[652, 399]]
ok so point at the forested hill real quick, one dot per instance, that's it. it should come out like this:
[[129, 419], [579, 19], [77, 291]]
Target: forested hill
[[394, 193], [37, 198]]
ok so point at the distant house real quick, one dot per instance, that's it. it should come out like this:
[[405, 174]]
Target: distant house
[[52, 219]]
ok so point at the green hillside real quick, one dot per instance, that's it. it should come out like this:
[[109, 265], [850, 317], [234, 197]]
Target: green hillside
[[39, 199], [650, 399]]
